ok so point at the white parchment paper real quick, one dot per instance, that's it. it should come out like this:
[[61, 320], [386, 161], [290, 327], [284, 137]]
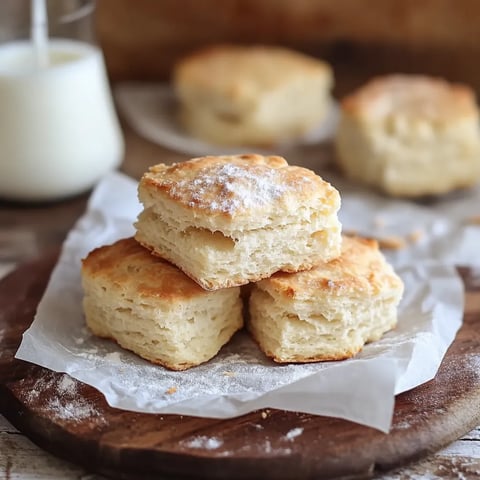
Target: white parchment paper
[[151, 110], [240, 379]]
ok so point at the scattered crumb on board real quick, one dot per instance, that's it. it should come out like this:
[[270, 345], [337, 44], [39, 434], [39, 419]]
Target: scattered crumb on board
[[265, 413], [293, 433], [204, 442]]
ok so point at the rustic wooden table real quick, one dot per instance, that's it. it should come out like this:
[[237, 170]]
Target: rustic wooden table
[[27, 230]]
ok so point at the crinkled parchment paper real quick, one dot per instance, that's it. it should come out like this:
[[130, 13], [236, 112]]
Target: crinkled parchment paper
[[240, 378]]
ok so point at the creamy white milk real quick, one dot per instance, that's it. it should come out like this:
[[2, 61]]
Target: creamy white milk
[[58, 129]]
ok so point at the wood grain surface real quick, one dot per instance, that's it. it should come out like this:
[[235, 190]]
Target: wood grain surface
[[76, 423], [142, 40]]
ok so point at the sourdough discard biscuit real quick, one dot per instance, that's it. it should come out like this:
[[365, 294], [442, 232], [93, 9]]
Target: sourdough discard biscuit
[[328, 312], [253, 95], [230, 220], [410, 135], [150, 307]]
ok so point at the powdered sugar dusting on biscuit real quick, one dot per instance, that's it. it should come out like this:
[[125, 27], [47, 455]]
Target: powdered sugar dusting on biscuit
[[228, 188]]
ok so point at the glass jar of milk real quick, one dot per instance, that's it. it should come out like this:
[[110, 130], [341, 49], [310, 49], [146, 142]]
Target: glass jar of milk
[[59, 133]]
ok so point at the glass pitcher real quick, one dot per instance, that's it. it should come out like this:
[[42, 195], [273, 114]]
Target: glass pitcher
[[59, 133]]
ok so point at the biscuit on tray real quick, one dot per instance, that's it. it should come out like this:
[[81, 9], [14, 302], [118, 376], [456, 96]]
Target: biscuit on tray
[[328, 312], [251, 95], [410, 135], [150, 307], [229, 220]]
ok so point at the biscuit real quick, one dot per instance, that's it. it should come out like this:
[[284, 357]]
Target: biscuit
[[256, 95], [328, 312], [229, 220], [150, 307], [410, 136]]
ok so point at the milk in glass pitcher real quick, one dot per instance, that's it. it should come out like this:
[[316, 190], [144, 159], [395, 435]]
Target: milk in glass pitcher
[[59, 133]]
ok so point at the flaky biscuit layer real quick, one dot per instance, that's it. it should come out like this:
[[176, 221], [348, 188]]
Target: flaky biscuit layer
[[229, 220], [150, 307]]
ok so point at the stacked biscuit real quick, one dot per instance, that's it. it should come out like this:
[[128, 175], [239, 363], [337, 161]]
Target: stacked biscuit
[[213, 224]]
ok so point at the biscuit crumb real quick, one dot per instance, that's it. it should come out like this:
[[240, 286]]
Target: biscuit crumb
[[475, 220], [416, 235], [392, 243], [229, 374], [171, 390], [264, 415], [293, 433], [379, 222]]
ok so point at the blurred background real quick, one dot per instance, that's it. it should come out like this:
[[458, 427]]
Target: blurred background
[[142, 39]]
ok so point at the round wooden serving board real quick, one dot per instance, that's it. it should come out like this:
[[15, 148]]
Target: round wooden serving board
[[76, 423]]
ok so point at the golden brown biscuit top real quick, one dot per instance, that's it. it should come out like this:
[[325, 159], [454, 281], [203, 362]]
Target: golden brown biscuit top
[[238, 72], [233, 185], [411, 96], [128, 266], [360, 270]]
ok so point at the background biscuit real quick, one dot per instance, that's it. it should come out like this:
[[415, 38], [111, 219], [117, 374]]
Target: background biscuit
[[410, 135], [255, 95]]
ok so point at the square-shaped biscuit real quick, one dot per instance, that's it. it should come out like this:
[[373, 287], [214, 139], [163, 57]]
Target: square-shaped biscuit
[[328, 312], [229, 220], [251, 95], [150, 307], [410, 135]]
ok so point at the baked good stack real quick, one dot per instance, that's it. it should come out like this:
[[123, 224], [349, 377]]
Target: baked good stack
[[228, 221]]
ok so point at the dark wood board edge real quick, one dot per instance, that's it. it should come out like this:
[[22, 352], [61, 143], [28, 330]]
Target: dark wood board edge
[[380, 453]]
